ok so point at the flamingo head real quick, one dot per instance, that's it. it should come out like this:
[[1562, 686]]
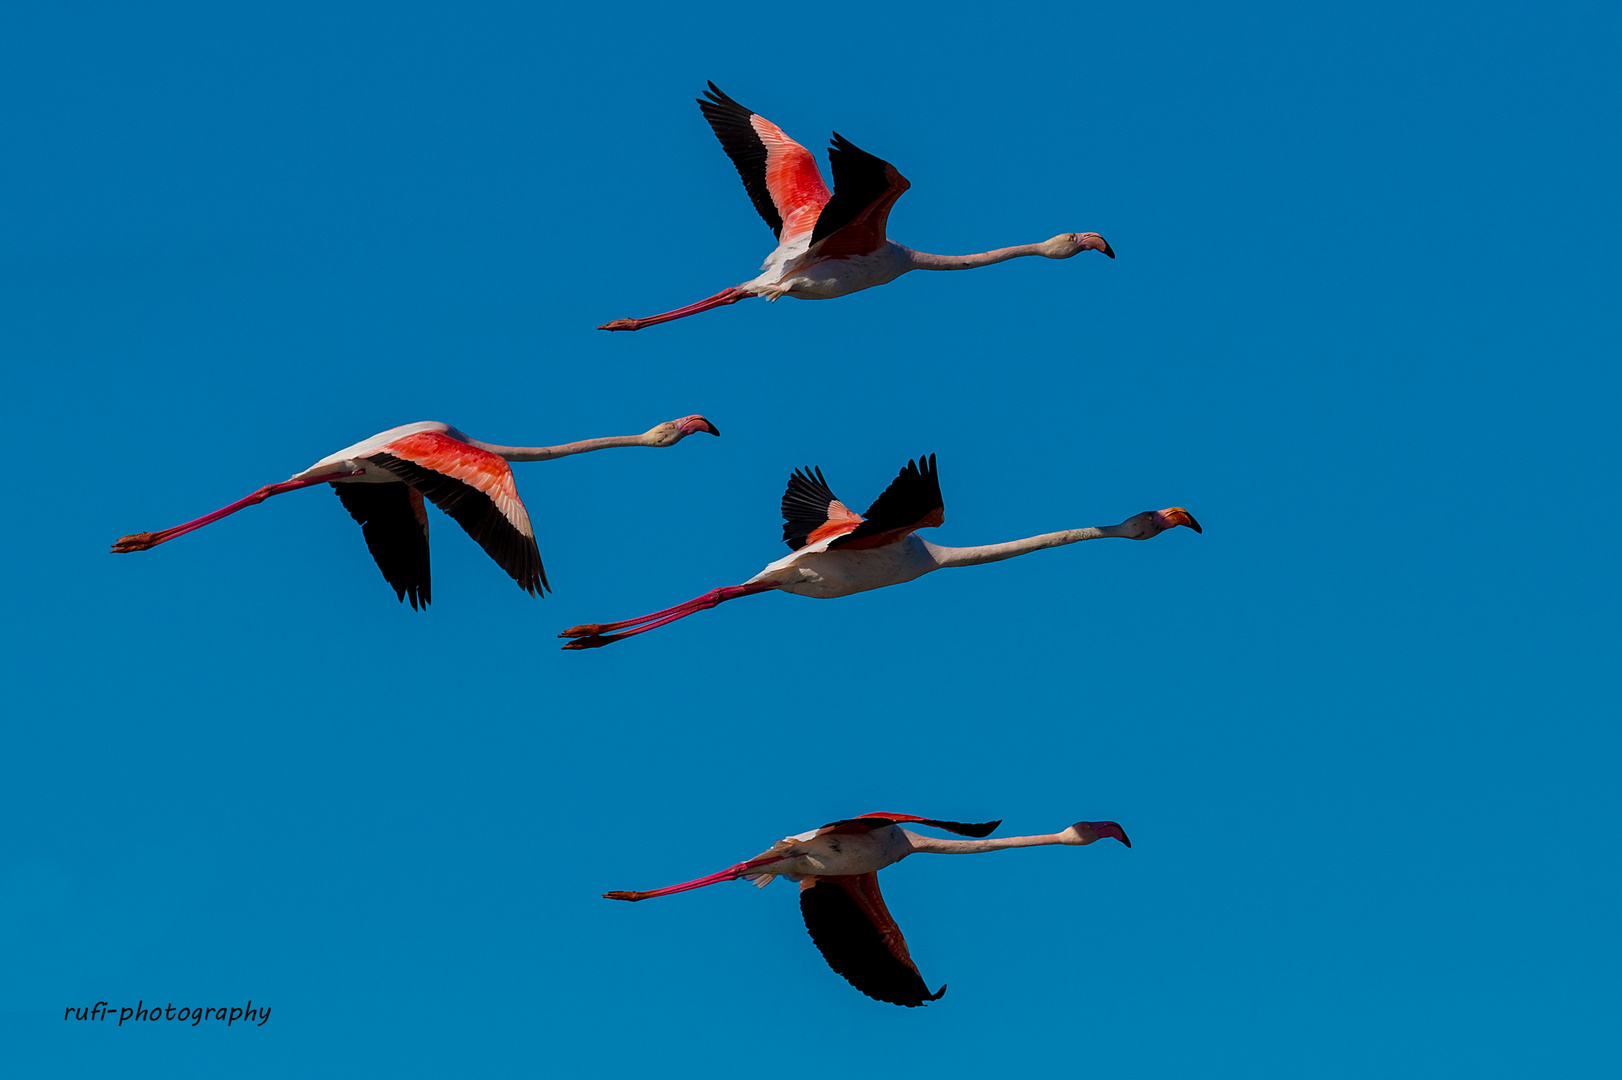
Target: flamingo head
[[1074, 243], [1086, 832], [1154, 522], [675, 431]]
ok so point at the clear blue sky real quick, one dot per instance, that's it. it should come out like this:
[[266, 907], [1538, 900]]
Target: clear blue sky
[[1363, 732]]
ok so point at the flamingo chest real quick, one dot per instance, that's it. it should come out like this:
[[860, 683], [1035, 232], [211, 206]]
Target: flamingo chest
[[828, 278], [838, 854], [825, 575]]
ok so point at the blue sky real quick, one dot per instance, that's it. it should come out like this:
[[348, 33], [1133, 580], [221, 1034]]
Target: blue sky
[[1362, 731]]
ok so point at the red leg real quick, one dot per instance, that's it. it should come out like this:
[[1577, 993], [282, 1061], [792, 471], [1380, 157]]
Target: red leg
[[591, 636], [684, 608], [731, 873], [142, 541], [597, 641], [720, 299]]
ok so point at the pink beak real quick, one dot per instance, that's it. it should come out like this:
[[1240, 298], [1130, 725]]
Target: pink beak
[[689, 424], [1109, 829], [1174, 516]]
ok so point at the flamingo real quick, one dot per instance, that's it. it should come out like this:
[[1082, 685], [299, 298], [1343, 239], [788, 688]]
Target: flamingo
[[382, 482], [837, 867], [837, 553], [827, 245]]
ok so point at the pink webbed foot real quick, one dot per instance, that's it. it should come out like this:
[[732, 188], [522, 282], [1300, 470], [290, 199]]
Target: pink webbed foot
[[136, 542], [594, 641]]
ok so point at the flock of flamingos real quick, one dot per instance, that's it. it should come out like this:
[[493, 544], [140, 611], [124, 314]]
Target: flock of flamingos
[[829, 244]]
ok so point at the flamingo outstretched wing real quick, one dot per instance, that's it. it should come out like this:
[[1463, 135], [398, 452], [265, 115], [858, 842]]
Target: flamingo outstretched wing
[[853, 930], [812, 512], [395, 524], [475, 487], [912, 501], [780, 175], [855, 219]]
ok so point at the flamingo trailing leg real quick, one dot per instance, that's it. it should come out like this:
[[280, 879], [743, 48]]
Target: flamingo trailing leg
[[837, 869], [828, 244], [382, 482], [837, 553]]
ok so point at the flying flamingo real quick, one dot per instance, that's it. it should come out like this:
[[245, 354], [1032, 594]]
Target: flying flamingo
[[837, 867], [827, 245], [382, 482], [837, 553]]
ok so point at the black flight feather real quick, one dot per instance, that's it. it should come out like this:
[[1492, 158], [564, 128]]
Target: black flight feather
[[479, 516], [392, 518]]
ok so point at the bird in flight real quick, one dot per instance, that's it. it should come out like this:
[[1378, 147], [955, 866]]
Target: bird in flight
[[837, 867], [382, 482], [828, 244], [836, 552]]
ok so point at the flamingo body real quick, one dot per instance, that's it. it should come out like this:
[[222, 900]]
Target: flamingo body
[[433, 453], [354, 457], [431, 444], [822, 574], [826, 852], [790, 274]]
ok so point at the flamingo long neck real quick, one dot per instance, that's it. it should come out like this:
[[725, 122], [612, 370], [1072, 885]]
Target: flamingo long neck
[[934, 845], [973, 556], [923, 260], [546, 453]]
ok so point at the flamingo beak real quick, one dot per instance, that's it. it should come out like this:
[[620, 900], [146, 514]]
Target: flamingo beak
[[689, 424], [1174, 516], [1109, 829], [1094, 242]]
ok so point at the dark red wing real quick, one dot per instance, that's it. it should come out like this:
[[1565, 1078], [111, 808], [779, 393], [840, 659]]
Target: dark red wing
[[812, 512], [395, 524], [853, 930], [912, 501], [855, 219], [869, 822]]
